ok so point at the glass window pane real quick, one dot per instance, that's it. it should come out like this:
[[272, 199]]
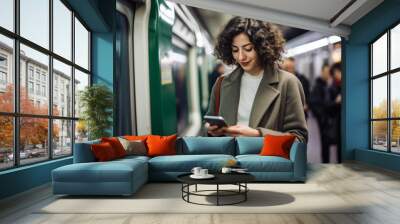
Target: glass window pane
[[35, 21], [81, 81], [81, 131], [62, 29], [81, 45], [379, 98], [395, 136], [379, 55], [7, 14], [33, 139], [395, 94], [6, 74], [62, 89], [34, 72], [379, 135], [62, 138], [395, 47], [6, 142]]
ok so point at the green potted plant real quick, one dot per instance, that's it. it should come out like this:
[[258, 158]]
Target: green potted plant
[[96, 102]]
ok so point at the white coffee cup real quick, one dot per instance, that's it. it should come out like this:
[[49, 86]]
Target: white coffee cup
[[203, 172], [196, 170], [226, 170]]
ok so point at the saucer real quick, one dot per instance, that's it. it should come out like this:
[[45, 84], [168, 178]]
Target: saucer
[[208, 176]]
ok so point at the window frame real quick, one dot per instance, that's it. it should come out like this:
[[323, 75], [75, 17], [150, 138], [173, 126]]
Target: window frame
[[16, 115], [388, 74]]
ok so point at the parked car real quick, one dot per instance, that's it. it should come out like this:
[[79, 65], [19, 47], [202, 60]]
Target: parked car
[[22, 155]]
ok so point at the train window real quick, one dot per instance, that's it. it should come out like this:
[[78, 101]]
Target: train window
[[34, 23], [379, 56], [62, 30], [40, 62], [6, 71], [62, 146], [6, 143], [385, 97], [62, 91], [379, 97], [81, 81], [7, 14], [37, 66], [395, 47], [379, 131], [81, 45]]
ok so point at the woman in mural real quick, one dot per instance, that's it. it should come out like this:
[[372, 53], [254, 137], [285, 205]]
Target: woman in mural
[[256, 98]]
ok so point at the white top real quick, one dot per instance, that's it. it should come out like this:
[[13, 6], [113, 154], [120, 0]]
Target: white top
[[248, 89]]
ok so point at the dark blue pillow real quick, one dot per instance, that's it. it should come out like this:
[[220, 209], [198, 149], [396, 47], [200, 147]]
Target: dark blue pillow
[[83, 152], [249, 145]]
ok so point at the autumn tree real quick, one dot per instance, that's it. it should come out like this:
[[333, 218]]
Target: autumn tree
[[380, 127], [6, 122], [33, 131]]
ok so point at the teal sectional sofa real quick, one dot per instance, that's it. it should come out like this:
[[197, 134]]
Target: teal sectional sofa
[[125, 176]]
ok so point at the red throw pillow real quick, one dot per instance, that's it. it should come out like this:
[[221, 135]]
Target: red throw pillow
[[277, 145], [116, 145], [161, 145], [103, 152]]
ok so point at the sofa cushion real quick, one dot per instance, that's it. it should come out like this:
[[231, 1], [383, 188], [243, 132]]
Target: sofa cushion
[[161, 145], [185, 163], [134, 147], [207, 145], [249, 145], [116, 145], [257, 163], [103, 152]]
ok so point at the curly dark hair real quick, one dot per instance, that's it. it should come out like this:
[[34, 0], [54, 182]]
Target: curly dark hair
[[267, 39]]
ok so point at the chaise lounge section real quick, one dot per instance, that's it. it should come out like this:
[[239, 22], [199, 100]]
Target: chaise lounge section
[[88, 177]]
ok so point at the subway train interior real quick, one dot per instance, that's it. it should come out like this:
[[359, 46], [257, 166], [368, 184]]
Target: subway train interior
[[75, 73]]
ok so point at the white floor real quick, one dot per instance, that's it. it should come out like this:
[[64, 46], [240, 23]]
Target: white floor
[[378, 190]]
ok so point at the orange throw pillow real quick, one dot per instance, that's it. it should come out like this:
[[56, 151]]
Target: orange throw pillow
[[161, 145], [103, 152], [277, 145], [116, 145]]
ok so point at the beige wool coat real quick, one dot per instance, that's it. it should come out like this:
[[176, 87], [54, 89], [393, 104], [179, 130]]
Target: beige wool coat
[[277, 107]]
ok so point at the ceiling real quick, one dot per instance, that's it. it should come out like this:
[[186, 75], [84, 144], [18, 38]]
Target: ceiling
[[333, 17], [215, 21]]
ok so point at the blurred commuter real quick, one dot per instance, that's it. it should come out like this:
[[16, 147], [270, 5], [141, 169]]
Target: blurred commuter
[[334, 107], [218, 70], [257, 98], [289, 64], [325, 104], [319, 101]]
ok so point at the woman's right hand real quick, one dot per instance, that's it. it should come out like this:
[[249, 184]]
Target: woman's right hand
[[214, 130]]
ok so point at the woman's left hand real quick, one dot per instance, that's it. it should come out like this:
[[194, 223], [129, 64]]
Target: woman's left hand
[[242, 130]]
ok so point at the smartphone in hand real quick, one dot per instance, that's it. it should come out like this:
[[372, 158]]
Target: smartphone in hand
[[215, 120]]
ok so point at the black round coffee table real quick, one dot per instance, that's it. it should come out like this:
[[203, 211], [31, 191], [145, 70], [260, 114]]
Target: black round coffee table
[[238, 179]]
